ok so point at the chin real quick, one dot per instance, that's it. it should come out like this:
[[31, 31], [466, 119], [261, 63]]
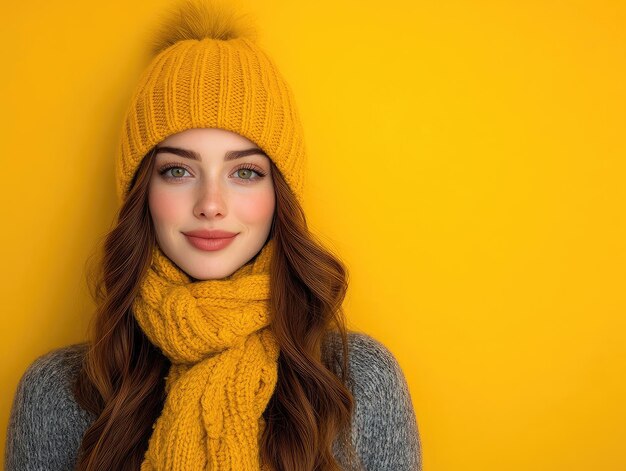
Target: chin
[[218, 272], [201, 275], [219, 264]]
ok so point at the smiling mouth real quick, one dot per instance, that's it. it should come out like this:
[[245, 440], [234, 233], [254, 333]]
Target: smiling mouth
[[210, 245]]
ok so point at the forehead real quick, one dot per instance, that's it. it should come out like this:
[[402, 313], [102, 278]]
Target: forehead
[[208, 139]]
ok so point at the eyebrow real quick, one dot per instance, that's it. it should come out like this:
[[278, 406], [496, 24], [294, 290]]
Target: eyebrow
[[190, 154]]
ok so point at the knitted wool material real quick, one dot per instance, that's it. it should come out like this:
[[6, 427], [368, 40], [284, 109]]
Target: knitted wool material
[[211, 83], [224, 364]]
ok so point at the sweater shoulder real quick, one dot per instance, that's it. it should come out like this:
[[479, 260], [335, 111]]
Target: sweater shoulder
[[46, 424], [384, 425], [371, 363], [57, 366]]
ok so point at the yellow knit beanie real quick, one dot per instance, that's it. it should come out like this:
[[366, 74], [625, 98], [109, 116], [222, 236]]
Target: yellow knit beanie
[[207, 71]]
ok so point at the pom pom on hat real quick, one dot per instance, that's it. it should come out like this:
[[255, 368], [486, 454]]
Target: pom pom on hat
[[199, 19]]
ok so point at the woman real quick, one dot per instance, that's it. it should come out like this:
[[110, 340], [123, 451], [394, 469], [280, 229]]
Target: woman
[[219, 340]]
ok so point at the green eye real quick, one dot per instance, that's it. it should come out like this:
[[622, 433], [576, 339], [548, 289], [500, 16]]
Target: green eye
[[246, 171], [176, 174]]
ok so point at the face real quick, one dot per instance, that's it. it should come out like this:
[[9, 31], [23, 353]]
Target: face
[[201, 182]]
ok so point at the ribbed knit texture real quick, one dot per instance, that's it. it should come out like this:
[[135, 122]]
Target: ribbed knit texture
[[224, 364], [210, 83]]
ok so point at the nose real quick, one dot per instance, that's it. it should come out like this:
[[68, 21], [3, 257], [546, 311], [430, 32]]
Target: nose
[[210, 201]]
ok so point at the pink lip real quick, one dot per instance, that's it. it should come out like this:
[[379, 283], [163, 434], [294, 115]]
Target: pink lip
[[210, 234], [211, 244]]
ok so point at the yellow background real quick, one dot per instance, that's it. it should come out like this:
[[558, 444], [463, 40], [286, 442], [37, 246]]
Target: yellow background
[[466, 161]]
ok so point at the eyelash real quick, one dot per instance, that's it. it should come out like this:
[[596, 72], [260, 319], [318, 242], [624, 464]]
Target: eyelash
[[254, 168]]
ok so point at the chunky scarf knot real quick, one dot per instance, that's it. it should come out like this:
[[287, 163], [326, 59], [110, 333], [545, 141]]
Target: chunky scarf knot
[[224, 364]]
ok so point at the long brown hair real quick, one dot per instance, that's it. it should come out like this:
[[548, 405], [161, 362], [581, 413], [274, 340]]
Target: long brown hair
[[122, 378]]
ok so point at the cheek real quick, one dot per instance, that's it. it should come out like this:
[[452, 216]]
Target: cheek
[[163, 207], [256, 210]]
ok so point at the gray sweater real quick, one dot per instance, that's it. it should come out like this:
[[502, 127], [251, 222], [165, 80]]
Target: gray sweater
[[46, 425]]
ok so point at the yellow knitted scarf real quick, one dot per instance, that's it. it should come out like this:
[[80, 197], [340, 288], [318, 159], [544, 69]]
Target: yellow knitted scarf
[[224, 364]]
